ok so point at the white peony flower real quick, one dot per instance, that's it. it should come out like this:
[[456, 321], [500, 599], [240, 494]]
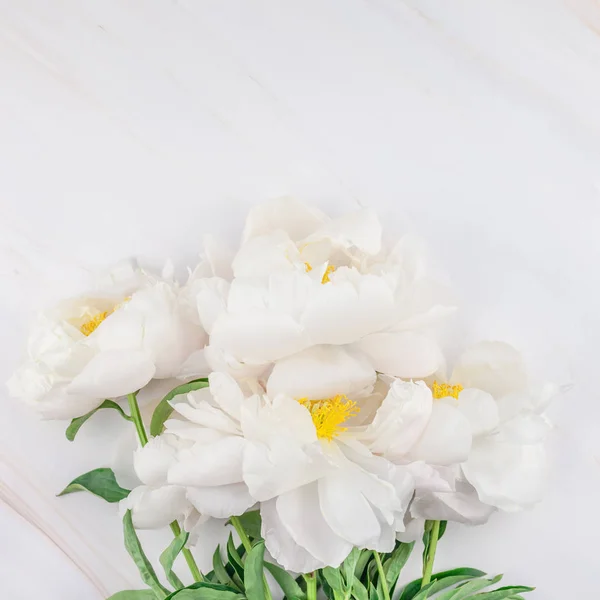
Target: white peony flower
[[483, 432], [303, 280], [321, 491], [106, 344]]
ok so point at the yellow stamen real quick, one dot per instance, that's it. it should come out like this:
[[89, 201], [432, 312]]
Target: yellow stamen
[[443, 390], [91, 325], [329, 414], [328, 271], [307, 267]]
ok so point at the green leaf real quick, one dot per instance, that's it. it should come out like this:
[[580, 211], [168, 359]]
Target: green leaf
[[251, 523], [443, 525], [288, 585], [466, 590], [134, 595], [359, 591], [134, 547], [219, 569], [502, 593], [334, 579], [395, 563], [441, 584], [167, 558], [373, 595], [349, 566], [254, 582], [206, 591], [235, 559], [76, 423], [163, 410], [412, 589], [100, 482], [363, 561]]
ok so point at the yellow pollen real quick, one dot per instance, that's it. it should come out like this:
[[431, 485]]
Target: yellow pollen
[[329, 414], [307, 267], [443, 390], [328, 271], [91, 325]]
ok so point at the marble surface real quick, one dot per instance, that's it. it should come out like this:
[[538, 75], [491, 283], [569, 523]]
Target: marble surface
[[133, 127]]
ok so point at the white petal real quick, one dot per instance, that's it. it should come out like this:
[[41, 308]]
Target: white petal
[[280, 544], [215, 464], [153, 508], [206, 535], [221, 501], [208, 416], [347, 511], [258, 336], [360, 229], [280, 467], [211, 300], [292, 216], [479, 407], [264, 255], [460, 506], [219, 256], [400, 420], [152, 461], [526, 429], [227, 393], [301, 515], [494, 367], [321, 372], [446, 439], [413, 531], [402, 354], [343, 311], [168, 335], [506, 475], [114, 373]]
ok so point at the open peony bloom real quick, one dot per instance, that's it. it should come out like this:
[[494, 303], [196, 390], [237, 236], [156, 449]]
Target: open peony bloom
[[304, 280], [321, 491], [483, 431], [106, 344]]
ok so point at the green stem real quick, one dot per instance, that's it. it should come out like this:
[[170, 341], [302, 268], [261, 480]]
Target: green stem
[[187, 554], [136, 417], [237, 525], [428, 564], [382, 579], [311, 586]]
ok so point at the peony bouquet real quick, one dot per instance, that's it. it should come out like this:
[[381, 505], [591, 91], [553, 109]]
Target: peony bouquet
[[311, 430]]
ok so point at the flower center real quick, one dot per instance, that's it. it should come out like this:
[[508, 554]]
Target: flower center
[[329, 414], [443, 390], [328, 271], [89, 326]]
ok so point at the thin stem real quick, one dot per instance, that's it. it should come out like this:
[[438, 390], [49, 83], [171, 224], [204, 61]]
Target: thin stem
[[428, 564], [311, 586], [136, 417], [382, 579], [237, 525], [187, 554]]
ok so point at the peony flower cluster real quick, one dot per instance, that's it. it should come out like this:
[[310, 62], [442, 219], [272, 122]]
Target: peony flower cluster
[[329, 405]]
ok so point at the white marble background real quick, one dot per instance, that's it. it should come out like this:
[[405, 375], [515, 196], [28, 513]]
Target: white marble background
[[132, 127]]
